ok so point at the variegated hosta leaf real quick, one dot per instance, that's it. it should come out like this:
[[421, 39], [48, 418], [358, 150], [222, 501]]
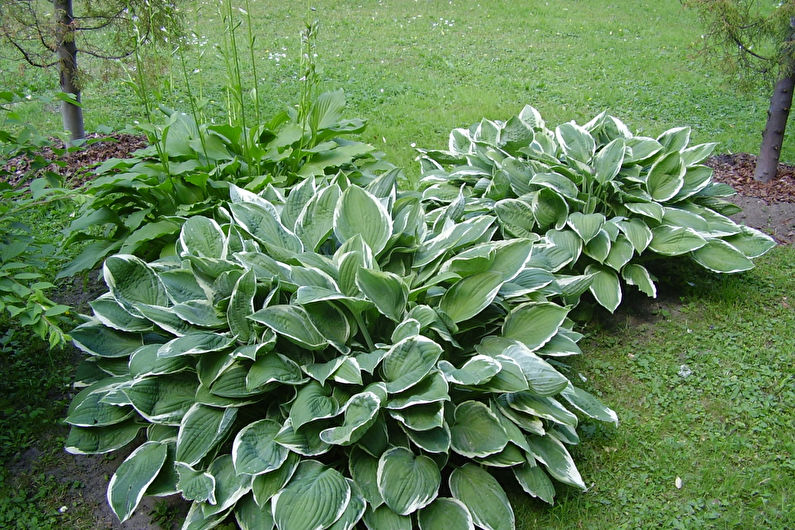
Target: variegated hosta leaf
[[202, 428], [720, 256], [534, 323], [483, 496], [445, 514], [535, 482], [195, 485], [359, 415], [407, 482], [315, 497], [408, 362], [605, 286], [359, 213], [128, 485], [132, 281], [292, 322], [476, 431], [383, 518], [254, 452], [556, 459], [471, 295]]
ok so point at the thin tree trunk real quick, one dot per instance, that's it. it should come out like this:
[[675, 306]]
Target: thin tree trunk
[[777, 115], [67, 65]]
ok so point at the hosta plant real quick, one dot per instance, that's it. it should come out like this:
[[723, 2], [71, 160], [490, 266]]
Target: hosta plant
[[137, 205], [602, 199], [337, 360]]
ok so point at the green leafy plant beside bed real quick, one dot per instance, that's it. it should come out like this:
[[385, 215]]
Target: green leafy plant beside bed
[[601, 199], [137, 205], [331, 359]]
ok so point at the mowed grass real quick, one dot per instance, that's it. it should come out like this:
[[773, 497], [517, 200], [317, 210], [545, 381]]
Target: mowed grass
[[703, 387], [417, 69]]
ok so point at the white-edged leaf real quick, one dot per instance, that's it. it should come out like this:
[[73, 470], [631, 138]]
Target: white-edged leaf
[[605, 286], [535, 482], [471, 295], [445, 514], [254, 452], [128, 484], [720, 256], [480, 492], [315, 497], [408, 362], [360, 213], [640, 277], [407, 482], [476, 431], [534, 323]]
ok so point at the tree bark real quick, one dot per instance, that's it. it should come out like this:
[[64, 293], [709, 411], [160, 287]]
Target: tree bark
[[777, 115], [66, 49]]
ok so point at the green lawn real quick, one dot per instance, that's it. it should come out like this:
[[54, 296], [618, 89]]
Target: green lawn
[[703, 384]]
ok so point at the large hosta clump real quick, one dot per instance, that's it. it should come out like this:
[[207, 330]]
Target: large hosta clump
[[603, 199], [338, 359]]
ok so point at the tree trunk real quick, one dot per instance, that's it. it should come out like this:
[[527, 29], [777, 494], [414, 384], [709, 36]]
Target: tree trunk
[[777, 115], [67, 66]]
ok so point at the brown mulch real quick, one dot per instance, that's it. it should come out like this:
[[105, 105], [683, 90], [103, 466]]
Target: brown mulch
[[737, 170], [76, 166]]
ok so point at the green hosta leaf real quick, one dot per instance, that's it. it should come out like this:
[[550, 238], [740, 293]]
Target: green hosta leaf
[[322, 371], [112, 315], [95, 339], [476, 371], [145, 362], [421, 417], [476, 432], [315, 497], [131, 281], [516, 217], [386, 290], [383, 518], [353, 512], [195, 485], [250, 516], [534, 323], [674, 140], [196, 520], [543, 407], [541, 377], [535, 482], [471, 295], [751, 242], [99, 440], [147, 233], [88, 410], [163, 400], [556, 459], [621, 252], [304, 441], [292, 322], [267, 485], [587, 226], [557, 183], [313, 402], [527, 281], [360, 412], [445, 514], [576, 142], [510, 257], [647, 209], [666, 177], [128, 484], [483, 496], [201, 430], [719, 256], [675, 240], [199, 313], [407, 482], [241, 306], [638, 276], [549, 208], [408, 362], [431, 389], [229, 486], [608, 161], [273, 368], [364, 471], [599, 247], [195, 343], [202, 237], [266, 228], [588, 404], [254, 452], [638, 233], [605, 286], [360, 213], [316, 220]]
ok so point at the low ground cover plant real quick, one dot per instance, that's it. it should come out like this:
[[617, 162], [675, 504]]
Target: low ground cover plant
[[601, 199], [335, 357]]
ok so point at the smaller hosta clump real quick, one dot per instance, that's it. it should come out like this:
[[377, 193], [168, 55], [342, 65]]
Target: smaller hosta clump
[[332, 360], [602, 199]]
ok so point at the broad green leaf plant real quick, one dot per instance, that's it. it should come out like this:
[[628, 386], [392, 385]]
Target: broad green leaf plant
[[137, 205], [600, 200], [335, 356]]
